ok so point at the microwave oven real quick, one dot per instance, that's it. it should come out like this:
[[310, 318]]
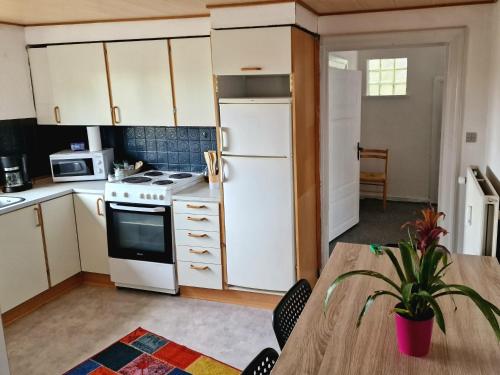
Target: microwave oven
[[70, 165]]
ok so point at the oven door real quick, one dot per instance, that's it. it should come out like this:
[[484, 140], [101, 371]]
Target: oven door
[[139, 232], [72, 167]]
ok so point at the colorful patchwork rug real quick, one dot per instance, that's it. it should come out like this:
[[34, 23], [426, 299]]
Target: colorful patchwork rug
[[144, 353]]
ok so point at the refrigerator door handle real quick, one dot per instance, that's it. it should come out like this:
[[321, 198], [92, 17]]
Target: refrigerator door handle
[[222, 171], [223, 138]]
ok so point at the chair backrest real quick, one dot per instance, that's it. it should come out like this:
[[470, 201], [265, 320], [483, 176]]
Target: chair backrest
[[372, 153], [288, 311], [263, 363]]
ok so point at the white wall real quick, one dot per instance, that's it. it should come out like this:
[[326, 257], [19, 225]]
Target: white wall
[[403, 124], [493, 149], [16, 98]]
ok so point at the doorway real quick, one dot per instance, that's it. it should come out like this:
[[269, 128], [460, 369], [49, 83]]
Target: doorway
[[416, 122]]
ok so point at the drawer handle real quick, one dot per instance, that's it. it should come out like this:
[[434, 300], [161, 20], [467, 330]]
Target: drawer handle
[[195, 206], [200, 252], [250, 68], [197, 235], [190, 218], [198, 268]]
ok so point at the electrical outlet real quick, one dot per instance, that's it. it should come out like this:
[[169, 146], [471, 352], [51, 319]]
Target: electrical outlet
[[470, 137]]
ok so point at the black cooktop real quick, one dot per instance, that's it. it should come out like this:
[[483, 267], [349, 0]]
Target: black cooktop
[[153, 173], [136, 180], [180, 175], [163, 182]]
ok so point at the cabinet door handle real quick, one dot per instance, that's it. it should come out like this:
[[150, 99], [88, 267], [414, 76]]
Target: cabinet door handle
[[197, 235], [199, 268], [189, 205], [251, 68], [98, 206], [116, 115], [190, 218], [57, 114], [200, 252], [38, 217]]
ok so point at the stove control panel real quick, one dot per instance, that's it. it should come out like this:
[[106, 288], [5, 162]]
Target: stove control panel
[[117, 193]]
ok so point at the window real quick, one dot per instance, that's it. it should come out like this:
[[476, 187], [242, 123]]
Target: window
[[386, 77]]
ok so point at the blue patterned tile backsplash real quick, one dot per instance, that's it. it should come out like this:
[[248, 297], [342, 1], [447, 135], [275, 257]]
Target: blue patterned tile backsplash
[[173, 149]]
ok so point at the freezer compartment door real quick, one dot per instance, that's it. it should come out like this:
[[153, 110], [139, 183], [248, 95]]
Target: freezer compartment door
[[258, 205], [256, 129]]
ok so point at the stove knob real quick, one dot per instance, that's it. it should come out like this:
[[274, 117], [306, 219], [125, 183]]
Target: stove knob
[[148, 196], [161, 197], [155, 196], [125, 195], [113, 194], [142, 195]]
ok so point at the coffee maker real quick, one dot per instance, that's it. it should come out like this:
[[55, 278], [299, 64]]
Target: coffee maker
[[14, 170]]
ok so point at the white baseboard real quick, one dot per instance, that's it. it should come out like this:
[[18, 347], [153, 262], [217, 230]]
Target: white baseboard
[[396, 198]]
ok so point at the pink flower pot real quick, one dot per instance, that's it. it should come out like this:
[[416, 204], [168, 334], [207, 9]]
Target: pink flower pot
[[414, 336]]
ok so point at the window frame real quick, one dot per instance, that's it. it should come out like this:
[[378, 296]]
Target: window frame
[[393, 82]]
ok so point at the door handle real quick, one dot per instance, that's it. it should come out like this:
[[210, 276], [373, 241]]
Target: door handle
[[98, 206], [116, 114], [189, 205], [359, 149], [38, 217], [197, 235], [200, 252], [190, 218], [57, 114], [222, 138], [199, 268]]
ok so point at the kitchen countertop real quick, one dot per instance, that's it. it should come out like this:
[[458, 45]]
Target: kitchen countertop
[[199, 192], [46, 189]]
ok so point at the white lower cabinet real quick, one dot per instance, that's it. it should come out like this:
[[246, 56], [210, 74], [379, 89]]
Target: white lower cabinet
[[91, 226], [60, 238], [23, 272], [197, 238]]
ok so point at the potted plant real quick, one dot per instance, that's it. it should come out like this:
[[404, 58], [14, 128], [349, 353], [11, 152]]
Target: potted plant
[[420, 270]]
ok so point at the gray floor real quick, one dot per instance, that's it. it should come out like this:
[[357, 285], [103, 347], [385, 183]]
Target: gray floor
[[78, 325], [379, 226]]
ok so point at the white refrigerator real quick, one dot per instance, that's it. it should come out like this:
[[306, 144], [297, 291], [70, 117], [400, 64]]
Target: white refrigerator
[[258, 192]]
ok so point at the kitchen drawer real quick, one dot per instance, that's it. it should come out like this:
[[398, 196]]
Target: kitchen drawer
[[197, 238], [197, 222], [198, 254], [200, 275], [253, 51], [202, 208]]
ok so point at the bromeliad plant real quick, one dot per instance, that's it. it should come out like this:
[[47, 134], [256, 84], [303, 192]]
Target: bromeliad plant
[[423, 264]]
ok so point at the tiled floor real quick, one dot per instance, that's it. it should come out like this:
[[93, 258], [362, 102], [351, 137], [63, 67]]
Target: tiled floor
[[379, 226], [88, 319]]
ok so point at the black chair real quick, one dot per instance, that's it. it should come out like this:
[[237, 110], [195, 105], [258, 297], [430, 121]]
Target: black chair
[[288, 311], [263, 363]]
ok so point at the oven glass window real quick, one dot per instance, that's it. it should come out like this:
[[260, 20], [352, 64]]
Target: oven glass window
[[72, 167], [134, 231]]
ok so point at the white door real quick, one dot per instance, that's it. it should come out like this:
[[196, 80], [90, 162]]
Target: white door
[[260, 129], [23, 273], [258, 208], [42, 85], [79, 84], [92, 236], [141, 87], [60, 238], [193, 81], [344, 130]]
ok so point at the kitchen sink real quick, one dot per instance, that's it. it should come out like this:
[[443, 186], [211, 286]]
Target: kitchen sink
[[7, 201]]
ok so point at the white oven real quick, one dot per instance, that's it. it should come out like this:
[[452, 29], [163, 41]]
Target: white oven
[[81, 165]]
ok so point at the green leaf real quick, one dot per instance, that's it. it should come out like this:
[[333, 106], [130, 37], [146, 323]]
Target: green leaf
[[407, 259], [403, 312], [406, 293], [344, 276], [369, 302], [395, 262], [376, 249], [487, 308], [435, 307]]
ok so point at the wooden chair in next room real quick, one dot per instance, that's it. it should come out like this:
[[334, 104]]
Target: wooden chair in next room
[[375, 178]]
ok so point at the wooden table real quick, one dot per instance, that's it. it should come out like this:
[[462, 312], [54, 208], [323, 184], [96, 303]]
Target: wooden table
[[331, 344]]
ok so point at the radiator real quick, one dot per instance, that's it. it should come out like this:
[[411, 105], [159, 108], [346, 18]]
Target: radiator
[[481, 215]]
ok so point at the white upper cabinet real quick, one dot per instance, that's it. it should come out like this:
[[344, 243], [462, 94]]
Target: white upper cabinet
[[193, 81], [61, 240], [141, 88], [42, 86], [79, 84], [256, 51]]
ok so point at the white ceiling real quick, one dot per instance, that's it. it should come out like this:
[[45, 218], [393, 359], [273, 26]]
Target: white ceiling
[[31, 12]]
